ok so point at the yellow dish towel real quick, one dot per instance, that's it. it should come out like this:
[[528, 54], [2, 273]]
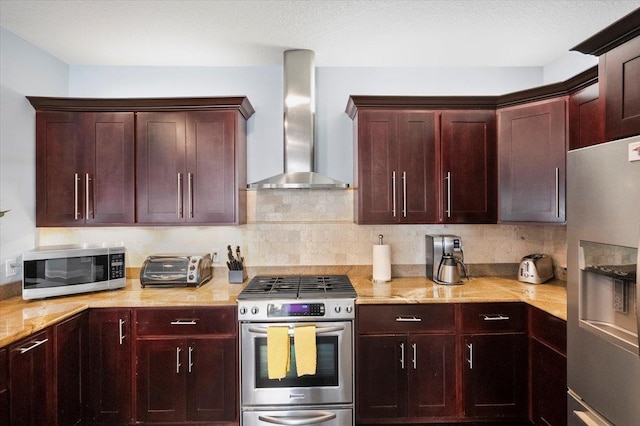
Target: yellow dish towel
[[305, 348], [278, 352]]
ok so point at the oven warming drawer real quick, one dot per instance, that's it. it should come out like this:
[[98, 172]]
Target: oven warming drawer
[[323, 417]]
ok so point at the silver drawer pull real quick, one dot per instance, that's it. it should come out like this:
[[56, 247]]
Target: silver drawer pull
[[184, 322], [35, 345], [298, 420], [494, 317], [408, 319]]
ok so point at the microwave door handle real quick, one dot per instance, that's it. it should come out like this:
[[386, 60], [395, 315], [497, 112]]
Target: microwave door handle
[[319, 417], [319, 330]]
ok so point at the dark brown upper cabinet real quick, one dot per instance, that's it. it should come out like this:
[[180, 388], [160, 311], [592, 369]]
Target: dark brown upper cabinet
[[532, 152], [141, 161], [84, 168], [417, 164], [618, 49], [586, 118]]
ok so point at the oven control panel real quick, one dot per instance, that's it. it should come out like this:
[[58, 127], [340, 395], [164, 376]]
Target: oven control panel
[[282, 310]]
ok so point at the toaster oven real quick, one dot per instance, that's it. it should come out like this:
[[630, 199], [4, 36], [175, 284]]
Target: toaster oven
[[176, 271]]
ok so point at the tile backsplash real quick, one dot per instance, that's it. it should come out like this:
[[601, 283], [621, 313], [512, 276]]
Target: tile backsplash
[[315, 227]]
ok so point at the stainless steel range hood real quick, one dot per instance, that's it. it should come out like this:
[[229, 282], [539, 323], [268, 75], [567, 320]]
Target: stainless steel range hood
[[299, 128]]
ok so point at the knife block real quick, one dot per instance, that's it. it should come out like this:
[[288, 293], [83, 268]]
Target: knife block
[[236, 277]]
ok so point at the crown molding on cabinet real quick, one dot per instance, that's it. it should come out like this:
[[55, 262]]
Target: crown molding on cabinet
[[240, 103], [621, 31]]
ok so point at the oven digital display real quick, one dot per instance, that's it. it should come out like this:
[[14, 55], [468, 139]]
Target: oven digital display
[[295, 310]]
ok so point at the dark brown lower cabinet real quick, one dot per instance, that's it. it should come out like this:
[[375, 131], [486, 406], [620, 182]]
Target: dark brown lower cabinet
[[30, 380], [406, 364], [548, 354], [69, 339], [495, 376], [4, 387], [109, 400]]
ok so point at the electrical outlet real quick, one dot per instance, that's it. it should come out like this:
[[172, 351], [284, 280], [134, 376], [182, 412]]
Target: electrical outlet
[[215, 255], [11, 267]]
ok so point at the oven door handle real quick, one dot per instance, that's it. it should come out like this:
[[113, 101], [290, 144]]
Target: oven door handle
[[319, 330], [320, 417]]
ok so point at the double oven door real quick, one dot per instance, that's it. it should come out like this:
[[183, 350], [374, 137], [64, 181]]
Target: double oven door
[[331, 385]]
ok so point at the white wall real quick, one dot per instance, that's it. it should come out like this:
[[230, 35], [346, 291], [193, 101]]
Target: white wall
[[25, 70], [568, 65]]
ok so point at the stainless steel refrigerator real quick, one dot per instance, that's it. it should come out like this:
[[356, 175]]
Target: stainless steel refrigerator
[[603, 235]]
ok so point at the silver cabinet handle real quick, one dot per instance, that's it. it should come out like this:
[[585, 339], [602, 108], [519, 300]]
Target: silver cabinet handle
[[33, 346], [190, 195], [494, 317], [76, 213], [393, 191], [298, 420], [557, 192], [407, 319], [470, 360], [184, 322], [404, 194], [178, 365], [448, 179], [414, 346], [87, 179], [402, 355], [121, 334], [180, 211], [190, 359]]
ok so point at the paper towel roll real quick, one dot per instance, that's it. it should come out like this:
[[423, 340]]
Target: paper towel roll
[[381, 262]]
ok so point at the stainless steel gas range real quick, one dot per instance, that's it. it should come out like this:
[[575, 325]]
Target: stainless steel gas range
[[325, 397]]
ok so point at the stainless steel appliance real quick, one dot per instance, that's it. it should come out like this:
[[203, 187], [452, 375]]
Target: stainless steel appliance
[[176, 271], [535, 269], [603, 234], [440, 249], [324, 398], [70, 269]]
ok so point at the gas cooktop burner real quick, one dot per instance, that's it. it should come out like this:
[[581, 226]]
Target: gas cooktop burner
[[298, 287]]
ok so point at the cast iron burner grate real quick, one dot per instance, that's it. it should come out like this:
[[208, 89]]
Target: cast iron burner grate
[[298, 287]]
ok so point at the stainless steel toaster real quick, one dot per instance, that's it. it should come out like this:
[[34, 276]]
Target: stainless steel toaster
[[176, 270], [535, 269]]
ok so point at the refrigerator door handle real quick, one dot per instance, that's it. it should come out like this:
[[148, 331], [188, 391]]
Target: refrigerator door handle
[[586, 419]]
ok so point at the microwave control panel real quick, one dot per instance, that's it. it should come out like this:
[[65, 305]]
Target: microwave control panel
[[116, 266]]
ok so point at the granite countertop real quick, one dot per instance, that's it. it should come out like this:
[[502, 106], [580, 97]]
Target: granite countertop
[[20, 318]]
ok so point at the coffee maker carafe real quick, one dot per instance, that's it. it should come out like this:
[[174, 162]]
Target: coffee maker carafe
[[445, 259]]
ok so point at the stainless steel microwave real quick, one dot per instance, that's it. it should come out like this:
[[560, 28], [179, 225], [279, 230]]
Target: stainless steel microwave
[[70, 269]]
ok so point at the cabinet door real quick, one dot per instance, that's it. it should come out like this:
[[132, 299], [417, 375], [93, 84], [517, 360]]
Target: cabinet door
[[69, 369], [160, 167], [469, 166], [620, 70], [586, 118], [31, 388], [108, 169], [212, 374], [432, 375], [548, 385], [495, 376], [58, 177], [531, 155], [161, 380], [110, 366], [381, 378], [417, 172], [4, 387], [211, 167], [377, 173]]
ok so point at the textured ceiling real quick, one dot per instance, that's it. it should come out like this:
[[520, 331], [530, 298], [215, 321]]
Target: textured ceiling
[[394, 33]]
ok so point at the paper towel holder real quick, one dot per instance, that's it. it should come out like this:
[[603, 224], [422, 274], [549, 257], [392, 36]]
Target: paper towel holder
[[381, 264]]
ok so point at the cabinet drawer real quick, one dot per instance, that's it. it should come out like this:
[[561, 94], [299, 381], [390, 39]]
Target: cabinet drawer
[[185, 321], [493, 317], [406, 318], [548, 329]]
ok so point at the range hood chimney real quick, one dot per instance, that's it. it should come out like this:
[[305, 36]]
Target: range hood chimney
[[299, 128]]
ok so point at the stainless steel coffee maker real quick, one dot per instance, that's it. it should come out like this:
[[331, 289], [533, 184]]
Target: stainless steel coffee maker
[[445, 259]]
